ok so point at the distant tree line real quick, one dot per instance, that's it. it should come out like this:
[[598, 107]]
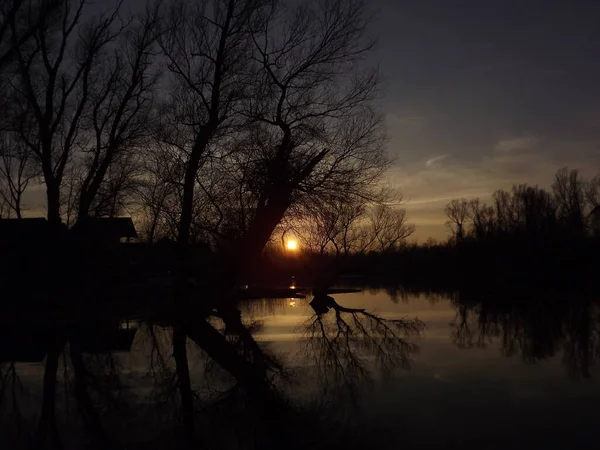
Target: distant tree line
[[526, 236], [570, 211]]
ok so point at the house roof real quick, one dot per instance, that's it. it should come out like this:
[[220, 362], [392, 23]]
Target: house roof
[[16, 230], [106, 228], [36, 229]]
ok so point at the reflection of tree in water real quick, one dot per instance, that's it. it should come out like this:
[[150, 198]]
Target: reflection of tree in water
[[398, 293], [537, 327], [105, 400], [10, 390], [346, 345]]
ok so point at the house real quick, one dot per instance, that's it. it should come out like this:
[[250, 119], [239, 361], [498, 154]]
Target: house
[[24, 247], [33, 231], [16, 233], [105, 231]]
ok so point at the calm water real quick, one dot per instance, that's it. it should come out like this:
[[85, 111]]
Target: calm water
[[501, 388], [484, 375]]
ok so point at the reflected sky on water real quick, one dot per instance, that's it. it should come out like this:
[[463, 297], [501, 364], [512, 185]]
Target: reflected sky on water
[[483, 376], [487, 374]]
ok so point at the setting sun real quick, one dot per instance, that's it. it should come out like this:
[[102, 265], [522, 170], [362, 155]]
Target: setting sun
[[291, 245]]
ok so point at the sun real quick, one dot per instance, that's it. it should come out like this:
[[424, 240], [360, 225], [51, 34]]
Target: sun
[[292, 245]]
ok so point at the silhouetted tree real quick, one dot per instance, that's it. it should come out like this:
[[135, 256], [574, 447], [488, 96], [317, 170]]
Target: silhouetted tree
[[536, 211], [592, 195], [55, 74], [568, 190], [505, 212], [484, 219], [16, 172], [457, 212], [389, 227], [120, 116], [339, 343], [19, 21], [351, 225], [207, 57], [319, 230]]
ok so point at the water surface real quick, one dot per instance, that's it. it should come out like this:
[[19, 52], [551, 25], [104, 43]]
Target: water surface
[[486, 376], [486, 371]]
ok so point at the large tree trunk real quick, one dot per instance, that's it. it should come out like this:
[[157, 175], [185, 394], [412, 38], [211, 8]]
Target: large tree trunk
[[183, 375], [53, 201], [86, 407], [253, 380], [187, 206], [183, 253], [47, 427], [84, 206]]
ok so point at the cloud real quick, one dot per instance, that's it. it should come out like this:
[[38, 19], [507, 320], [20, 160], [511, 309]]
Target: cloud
[[434, 162], [516, 144]]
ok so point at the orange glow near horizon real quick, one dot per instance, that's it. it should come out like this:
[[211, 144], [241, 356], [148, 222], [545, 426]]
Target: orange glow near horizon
[[291, 245]]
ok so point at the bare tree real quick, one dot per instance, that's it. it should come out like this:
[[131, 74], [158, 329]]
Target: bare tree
[[592, 195], [317, 134], [350, 224], [25, 17], [317, 233], [320, 226], [569, 194], [457, 212], [120, 116], [351, 233], [536, 210], [389, 227], [483, 217], [159, 194], [16, 172], [340, 343], [331, 224], [55, 72], [205, 48], [592, 192], [504, 210]]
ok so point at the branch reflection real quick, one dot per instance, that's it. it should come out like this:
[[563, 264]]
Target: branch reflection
[[348, 347], [534, 326]]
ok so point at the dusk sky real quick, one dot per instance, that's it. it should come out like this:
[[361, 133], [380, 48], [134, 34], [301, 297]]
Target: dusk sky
[[482, 94]]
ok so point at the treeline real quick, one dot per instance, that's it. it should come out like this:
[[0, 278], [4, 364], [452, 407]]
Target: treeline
[[530, 214], [528, 236]]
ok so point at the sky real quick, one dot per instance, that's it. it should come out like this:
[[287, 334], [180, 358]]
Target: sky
[[482, 94]]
